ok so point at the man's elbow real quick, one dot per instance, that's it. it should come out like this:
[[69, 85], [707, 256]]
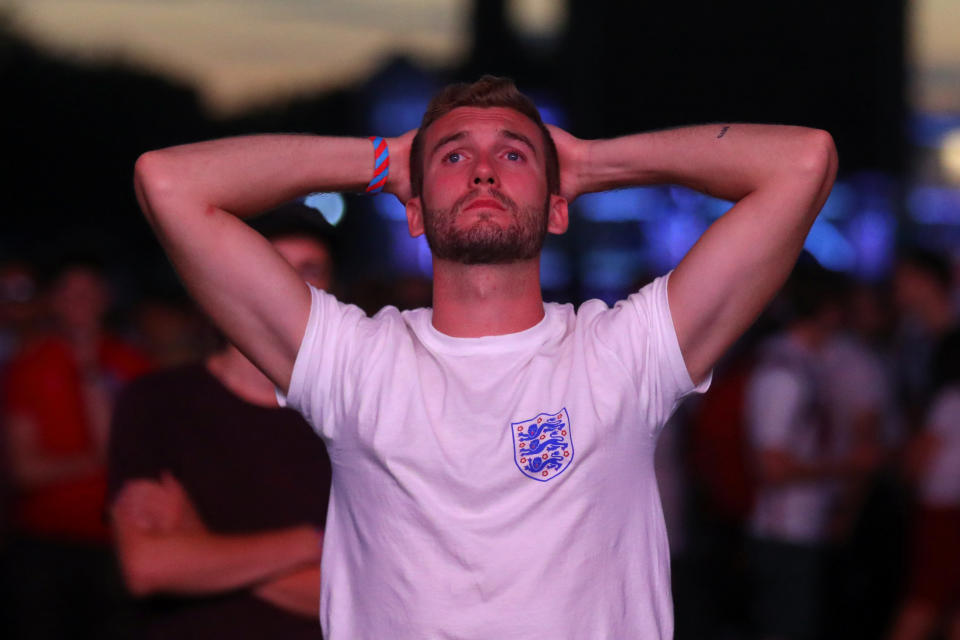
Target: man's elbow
[[152, 180], [817, 158]]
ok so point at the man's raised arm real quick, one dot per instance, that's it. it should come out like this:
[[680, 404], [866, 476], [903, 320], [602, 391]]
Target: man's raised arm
[[779, 177], [192, 196]]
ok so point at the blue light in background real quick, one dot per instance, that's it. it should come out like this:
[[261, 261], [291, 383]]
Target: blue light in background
[[934, 205], [622, 205], [672, 237], [839, 202], [389, 207], [550, 111], [684, 198], [691, 201], [394, 115], [397, 95], [715, 207], [609, 269], [555, 269], [408, 255], [829, 247], [330, 205], [929, 129], [873, 234]]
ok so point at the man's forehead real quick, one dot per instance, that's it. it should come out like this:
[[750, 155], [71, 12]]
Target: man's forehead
[[474, 120]]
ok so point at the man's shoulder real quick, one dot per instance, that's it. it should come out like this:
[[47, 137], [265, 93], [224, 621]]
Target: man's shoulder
[[646, 305]]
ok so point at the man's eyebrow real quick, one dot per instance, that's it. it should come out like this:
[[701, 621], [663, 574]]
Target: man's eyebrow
[[513, 135], [447, 139]]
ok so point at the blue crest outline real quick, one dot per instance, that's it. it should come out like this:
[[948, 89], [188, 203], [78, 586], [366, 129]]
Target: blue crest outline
[[513, 439]]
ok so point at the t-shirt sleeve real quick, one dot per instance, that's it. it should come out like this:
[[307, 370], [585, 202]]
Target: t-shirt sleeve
[[137, 448], [320, 385], [640, 332], [774, 397]]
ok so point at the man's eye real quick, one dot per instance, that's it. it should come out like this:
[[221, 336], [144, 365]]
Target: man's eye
[[514, 156], [454, 157]]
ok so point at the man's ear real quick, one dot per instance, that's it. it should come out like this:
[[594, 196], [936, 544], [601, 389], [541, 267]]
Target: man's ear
[[558, 216], [415, 216]]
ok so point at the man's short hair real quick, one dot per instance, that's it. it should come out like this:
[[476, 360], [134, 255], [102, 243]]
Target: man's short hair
[[489, 91]]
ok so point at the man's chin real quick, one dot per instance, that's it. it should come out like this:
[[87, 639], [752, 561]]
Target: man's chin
[[478, 253], [484, 237]]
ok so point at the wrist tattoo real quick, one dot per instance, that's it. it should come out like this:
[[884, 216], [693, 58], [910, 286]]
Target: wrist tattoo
[[723, 131]]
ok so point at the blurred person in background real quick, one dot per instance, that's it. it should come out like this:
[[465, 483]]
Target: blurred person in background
[[870, 507], [19, 311], [19, 307], [932, 598], [857, 395], [58, 395], [923, 292], [804, 455], [170, 330], [219, 497]]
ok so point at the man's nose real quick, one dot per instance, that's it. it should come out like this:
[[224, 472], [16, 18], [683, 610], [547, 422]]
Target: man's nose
[[484, 174]]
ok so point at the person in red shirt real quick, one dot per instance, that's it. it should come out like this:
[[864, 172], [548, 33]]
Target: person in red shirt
[[57, 397]]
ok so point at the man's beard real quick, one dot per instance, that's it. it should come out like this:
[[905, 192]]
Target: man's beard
[[486, 241]]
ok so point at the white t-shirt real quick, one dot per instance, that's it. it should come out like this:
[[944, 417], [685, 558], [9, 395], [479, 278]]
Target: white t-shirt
[[940, 483], [442, 524], [784, 411]]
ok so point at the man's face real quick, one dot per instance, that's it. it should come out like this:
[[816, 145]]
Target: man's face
[[309, 258], [484, 197]]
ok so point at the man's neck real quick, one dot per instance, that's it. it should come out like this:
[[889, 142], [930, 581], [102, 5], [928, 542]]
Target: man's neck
[[241, 377], [470, 301]]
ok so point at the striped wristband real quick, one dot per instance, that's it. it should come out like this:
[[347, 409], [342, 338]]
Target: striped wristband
[[381, 165]]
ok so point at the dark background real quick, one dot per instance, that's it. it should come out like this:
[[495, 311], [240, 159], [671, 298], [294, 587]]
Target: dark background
[[71, 131]]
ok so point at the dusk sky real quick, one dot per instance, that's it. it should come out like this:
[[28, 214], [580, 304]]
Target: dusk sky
[[243, 52]]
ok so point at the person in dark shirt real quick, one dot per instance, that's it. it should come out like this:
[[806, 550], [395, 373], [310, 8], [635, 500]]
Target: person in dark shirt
[[218, 497]]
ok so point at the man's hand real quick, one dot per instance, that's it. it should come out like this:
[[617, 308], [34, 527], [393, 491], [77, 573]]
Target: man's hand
[[398, 183], [160, 507], [574, 156]]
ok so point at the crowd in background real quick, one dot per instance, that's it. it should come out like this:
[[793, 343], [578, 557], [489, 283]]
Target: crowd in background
[[813, 492]]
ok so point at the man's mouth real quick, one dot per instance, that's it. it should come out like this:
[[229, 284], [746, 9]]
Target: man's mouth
[[485, 203]]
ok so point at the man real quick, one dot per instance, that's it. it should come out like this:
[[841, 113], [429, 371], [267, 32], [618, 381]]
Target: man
[[442, 522], [218, 497]]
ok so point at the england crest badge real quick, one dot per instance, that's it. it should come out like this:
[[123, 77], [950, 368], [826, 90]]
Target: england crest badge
[[542, 445]]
